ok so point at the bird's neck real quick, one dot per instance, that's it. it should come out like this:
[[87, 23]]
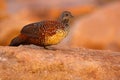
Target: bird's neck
[[65, 22]]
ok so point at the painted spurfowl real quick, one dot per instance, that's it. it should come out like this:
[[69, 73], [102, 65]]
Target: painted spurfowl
[[44, 33]]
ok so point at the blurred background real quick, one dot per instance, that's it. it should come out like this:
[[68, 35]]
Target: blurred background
[[96, 24]]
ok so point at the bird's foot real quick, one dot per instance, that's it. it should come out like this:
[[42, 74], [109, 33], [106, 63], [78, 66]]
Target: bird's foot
[[49, 48]]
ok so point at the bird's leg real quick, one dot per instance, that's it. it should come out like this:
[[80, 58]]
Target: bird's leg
[[45, 47], [49, 48]]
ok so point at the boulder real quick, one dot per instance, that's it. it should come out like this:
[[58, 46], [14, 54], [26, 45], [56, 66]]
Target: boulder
[[35, 63]]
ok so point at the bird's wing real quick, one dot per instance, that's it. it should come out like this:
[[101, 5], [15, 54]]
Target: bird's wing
[[44, 28], [30, 30]]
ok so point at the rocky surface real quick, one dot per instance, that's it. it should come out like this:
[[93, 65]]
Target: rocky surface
[[35, 63]]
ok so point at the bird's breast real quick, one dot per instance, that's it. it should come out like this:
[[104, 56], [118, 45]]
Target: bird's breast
[[56, 38]]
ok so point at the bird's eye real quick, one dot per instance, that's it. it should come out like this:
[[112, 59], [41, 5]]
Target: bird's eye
[[66, 14]]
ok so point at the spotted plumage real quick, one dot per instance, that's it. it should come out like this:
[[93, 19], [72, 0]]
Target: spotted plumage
[[44, 33]]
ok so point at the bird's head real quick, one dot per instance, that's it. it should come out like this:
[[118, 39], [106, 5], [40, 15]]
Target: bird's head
[[65, 17]]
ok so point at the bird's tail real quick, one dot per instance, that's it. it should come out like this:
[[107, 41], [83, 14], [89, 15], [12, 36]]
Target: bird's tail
[[16, 41]]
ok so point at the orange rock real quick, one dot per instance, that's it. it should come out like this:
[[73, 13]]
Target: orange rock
[[35, 63]]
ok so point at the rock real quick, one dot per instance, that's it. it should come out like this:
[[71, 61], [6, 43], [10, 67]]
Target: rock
[[99, 30], [35, 63]]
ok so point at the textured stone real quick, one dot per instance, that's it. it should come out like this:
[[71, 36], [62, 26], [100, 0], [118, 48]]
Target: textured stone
[[35, 63]]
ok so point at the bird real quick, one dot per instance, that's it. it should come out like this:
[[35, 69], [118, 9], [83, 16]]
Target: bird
[[44, 33]]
